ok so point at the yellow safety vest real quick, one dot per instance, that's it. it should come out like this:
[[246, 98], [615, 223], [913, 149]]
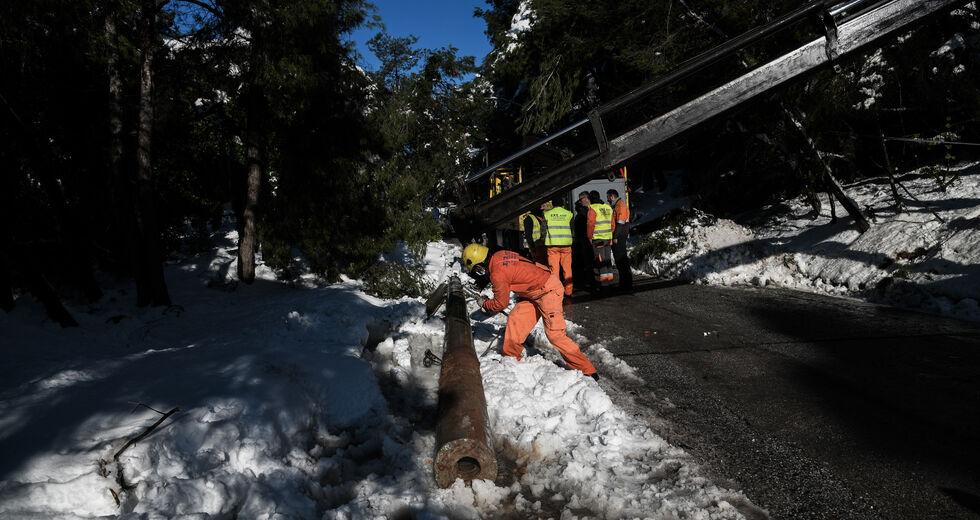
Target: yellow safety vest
[[603, 222], [537, 236], [559, 232]]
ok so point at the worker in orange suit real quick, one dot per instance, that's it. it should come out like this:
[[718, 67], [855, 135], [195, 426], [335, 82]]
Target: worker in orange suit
[[539, 297]]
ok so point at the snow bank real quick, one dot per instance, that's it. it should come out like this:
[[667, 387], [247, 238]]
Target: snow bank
[[927, 257], [565, 449], [306, 401], [276, 408]]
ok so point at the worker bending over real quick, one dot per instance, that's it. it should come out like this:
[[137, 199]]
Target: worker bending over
[[558, 240], [539, 297]]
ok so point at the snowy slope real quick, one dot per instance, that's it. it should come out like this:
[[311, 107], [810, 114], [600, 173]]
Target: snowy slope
[[268, 382], [306, 401], [926, 257]]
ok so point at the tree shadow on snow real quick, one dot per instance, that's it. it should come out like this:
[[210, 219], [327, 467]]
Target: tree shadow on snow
[[260, 378]]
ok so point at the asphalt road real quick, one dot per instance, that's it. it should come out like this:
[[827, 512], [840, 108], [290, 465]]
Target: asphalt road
[[815, 407]]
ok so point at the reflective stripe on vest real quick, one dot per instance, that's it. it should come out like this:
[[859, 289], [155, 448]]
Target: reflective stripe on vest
[[603, 222], [559, 232]]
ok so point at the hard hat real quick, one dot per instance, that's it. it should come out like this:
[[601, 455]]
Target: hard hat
[[473, 255]]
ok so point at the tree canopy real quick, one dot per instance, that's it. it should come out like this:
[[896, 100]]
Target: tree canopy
[[132, 128]]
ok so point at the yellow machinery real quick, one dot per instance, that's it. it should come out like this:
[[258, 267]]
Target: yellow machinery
[[504, 178]]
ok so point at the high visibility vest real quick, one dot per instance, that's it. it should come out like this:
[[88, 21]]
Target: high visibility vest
[[535, 230], [537, 234], [603, 222], [559, 232]]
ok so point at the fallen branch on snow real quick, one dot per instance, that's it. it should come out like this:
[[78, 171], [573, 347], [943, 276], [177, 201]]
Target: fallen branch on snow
[[148, 431]]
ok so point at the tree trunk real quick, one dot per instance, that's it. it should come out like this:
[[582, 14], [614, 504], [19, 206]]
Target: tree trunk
[[888, 165], [73, 233], [120, 192], [6, 250], [891, 175], [6, 237], [151, 288], [45, 293], [247, 242], [6, 284], [253, 155], [74, 236], [833, 186]]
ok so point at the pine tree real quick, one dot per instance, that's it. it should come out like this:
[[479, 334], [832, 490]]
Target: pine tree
[[151, 288]]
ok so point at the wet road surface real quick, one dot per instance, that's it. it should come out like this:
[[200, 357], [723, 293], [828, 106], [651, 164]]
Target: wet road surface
[[815, 407]]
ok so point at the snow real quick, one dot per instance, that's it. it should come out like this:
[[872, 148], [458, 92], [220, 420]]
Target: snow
[[872, 80], [912, 259], [559, 431], [953, 44], [304, 400], [521, 22]]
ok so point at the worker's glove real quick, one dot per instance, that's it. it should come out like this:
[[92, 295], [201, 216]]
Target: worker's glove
[[480, 300]]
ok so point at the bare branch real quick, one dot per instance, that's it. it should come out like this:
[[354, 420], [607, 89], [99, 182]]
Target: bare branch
[[148, 431], [204, 5], [137, 405]]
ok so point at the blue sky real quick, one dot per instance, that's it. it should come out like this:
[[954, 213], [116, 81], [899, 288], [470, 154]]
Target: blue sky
[[436, 23]]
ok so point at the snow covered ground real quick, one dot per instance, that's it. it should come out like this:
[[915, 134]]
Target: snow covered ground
[[926, 257], [298, 400]]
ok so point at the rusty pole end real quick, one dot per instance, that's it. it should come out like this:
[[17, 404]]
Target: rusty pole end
[[464, 448]]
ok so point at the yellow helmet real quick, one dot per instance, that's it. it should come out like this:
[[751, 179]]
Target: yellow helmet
[[473, 255]]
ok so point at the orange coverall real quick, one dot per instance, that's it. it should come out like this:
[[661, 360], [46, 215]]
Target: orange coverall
[[560, 262], [540, 295]]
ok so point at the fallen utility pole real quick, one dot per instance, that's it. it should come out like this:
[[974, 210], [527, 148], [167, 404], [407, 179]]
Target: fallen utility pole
[[464, 448], [844, 35]]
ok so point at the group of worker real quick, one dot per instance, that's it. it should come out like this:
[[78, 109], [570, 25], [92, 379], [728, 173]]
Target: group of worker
[[595, 235], [544, 282]]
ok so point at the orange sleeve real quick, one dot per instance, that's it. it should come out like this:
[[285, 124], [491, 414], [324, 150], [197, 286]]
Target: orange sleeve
[[501, 287], [622, 211], [590, 227]]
